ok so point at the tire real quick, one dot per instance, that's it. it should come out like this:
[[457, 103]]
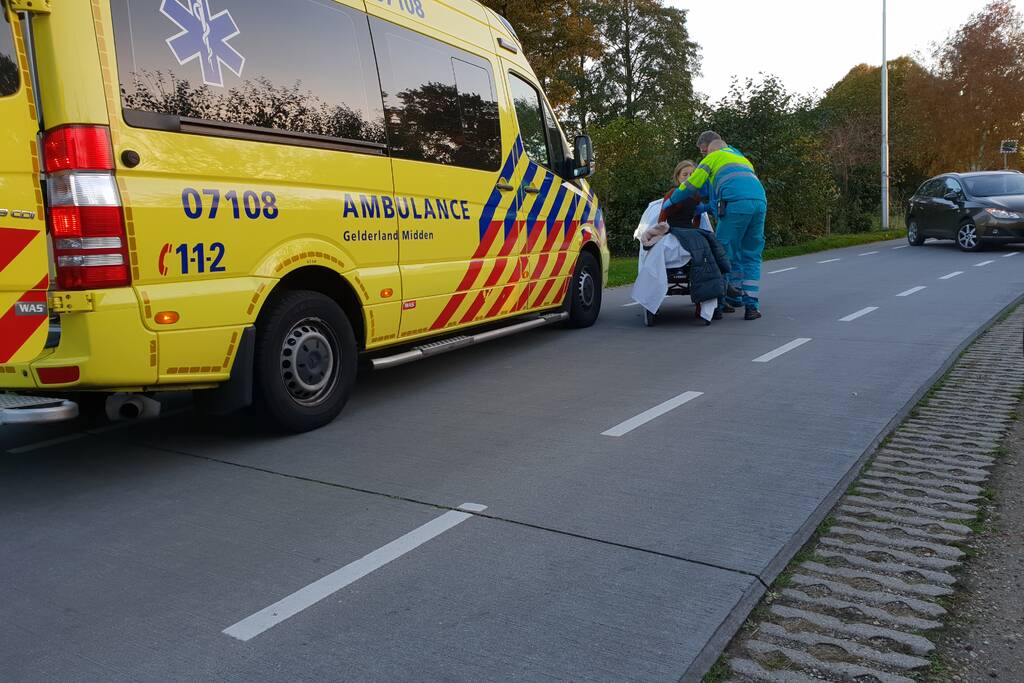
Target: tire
[[967, 237], [584, 303], [914, 235], [650, 319], [306, 361]]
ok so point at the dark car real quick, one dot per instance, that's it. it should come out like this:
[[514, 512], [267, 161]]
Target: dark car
[[970, 208]]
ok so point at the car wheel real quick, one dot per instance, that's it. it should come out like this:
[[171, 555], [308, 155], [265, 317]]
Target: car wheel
[[914, 235], [650, 319], [967, 237], [306, 361], [584, 303]]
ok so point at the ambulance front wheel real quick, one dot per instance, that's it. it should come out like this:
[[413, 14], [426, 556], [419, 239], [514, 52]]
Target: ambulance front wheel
[[584, 303], [306, 361]]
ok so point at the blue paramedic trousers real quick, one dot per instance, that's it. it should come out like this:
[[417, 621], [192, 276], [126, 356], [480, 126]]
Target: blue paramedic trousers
[[741, 232]]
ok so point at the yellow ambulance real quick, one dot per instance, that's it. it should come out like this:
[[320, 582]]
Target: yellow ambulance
[[242, 198]]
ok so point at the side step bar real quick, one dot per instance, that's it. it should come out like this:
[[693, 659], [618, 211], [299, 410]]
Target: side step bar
[[446, 345], [17, 409]]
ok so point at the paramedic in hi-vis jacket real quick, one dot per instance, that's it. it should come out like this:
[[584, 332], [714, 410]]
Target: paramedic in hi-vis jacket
[[741, 208]]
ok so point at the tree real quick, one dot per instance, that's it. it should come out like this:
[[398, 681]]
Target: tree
[[9, 73], [980, 88], [558, 39], [852, 135], [780, 133], [649, 60]]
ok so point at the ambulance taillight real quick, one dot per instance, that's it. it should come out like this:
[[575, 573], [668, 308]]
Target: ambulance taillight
[[85, 214]]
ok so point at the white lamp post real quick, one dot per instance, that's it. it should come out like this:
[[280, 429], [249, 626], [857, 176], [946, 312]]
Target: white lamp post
[[885, 125]]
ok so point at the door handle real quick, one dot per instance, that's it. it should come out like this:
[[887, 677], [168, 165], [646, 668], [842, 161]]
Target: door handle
[[530, 189], [505, 187]]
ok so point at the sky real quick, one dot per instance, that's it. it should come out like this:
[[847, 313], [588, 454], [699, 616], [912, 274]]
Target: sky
[[812, 44]]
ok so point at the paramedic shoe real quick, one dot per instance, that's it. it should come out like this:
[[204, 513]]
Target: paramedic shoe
[[752, 314], [733, 293], [717, 315], [726, 308]]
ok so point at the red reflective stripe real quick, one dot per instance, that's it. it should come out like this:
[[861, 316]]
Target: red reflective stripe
[[542, 262], [510, 241], [544, 293], [475, 266], [524, 297], [16, 330], [497, 272], [478, 303], [12, 242], [449, 311], [502, 298], [517, 275], [562, 290], [569, 234], [559, 263], [534, 237], [470, 277], [488, 240], [550, 244]]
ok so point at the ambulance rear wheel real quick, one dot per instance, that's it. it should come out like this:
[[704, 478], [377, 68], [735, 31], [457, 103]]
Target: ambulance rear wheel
[[584, 303], [306, 361]]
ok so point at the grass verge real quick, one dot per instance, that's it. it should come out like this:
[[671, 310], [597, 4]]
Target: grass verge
[[622, 270]]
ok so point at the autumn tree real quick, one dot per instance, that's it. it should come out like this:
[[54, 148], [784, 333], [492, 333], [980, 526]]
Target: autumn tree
[[852, 136], [978, 97], [558, 38]]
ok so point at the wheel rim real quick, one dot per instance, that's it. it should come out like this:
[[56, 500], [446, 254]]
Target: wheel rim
[[912, 231], [587, 289], [968, 236], [309, 359]]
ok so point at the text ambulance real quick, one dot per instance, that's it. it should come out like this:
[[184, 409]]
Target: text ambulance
[[244, 196]]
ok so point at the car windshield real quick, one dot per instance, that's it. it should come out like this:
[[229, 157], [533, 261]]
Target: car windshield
[[998, 185]]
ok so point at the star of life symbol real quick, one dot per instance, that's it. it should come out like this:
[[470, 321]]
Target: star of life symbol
[[204, 37]]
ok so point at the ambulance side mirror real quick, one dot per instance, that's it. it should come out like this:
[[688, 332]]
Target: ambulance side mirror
[[583, 157]]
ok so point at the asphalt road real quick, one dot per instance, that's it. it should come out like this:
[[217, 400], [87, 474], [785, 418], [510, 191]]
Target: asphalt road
[[641, 488]]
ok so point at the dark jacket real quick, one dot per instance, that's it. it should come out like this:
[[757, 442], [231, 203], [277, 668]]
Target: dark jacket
[[708, 266]]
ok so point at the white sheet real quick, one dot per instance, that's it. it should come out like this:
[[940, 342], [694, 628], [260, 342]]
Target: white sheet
[[651, 286]]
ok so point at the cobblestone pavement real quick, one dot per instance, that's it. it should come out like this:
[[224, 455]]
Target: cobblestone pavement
[[867, 599], [984, 636]]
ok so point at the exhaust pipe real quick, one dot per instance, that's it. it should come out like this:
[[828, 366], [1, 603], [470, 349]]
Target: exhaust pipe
[[131, 407]]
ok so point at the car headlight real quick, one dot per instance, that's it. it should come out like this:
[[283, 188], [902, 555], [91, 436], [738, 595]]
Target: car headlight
[[1004, 215]]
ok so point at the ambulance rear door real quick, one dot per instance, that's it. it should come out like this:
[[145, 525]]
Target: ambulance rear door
[[24, 263]]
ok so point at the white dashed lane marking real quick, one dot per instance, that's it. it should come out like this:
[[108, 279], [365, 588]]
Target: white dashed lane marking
[[859, 314], [831, 260], [1012, 253], [785, 348], [657, 411], [868, 253], [783, 270], [631, 303], [288, 607], [952, 275], [983, 263], [903, 246], [913, 290]]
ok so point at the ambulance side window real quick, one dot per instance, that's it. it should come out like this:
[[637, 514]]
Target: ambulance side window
[[10, 75], [301, 70], [439, 101], [531, 120]]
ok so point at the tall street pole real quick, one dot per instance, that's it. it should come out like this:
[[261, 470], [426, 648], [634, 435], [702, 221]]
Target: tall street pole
[[885, 125]]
